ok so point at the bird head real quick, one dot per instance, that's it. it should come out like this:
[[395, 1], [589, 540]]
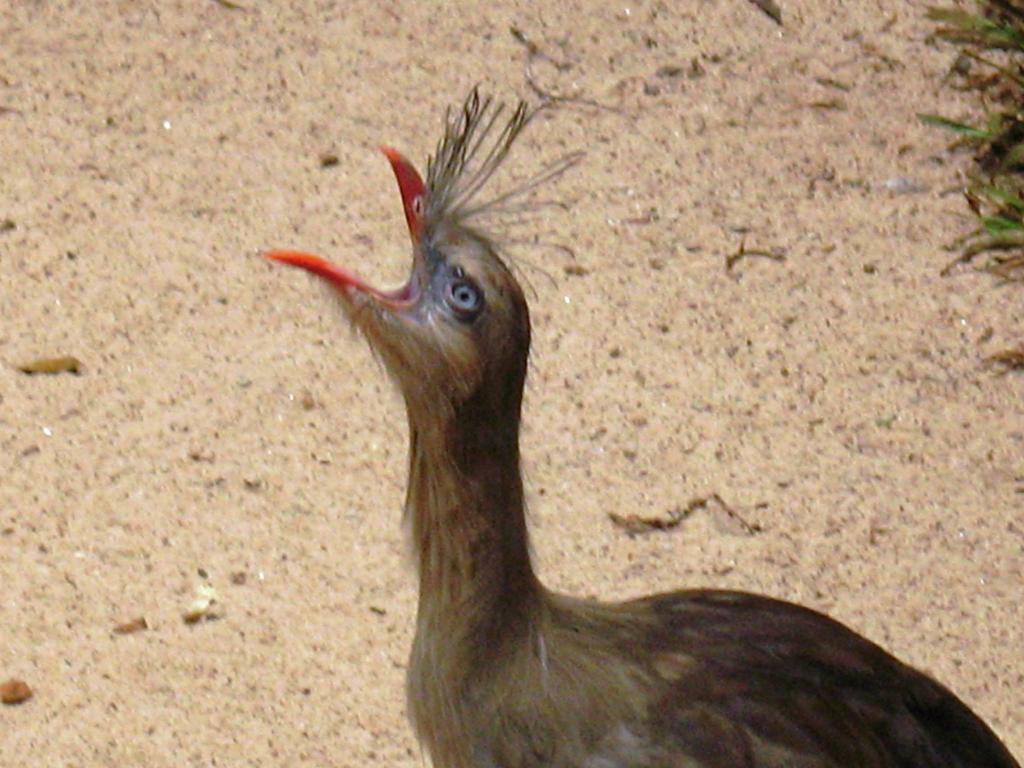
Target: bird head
[[459, 328]]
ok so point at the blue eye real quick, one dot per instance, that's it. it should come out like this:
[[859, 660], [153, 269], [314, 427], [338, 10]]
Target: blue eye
[[464, 298]]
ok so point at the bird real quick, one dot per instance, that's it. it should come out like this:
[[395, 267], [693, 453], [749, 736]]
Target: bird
[[506, 673]]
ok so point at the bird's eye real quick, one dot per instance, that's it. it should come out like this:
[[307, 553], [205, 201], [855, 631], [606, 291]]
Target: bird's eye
[[464, 298]]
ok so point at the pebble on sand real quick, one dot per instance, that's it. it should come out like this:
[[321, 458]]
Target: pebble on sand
[[14, 691]]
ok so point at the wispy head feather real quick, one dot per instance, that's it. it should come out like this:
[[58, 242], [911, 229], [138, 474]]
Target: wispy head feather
[[472, 149]]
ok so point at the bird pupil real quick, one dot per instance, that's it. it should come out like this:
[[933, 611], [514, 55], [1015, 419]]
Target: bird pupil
[[463, 296]]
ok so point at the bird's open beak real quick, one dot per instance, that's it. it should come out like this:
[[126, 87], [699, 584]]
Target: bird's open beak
[[412, 189]]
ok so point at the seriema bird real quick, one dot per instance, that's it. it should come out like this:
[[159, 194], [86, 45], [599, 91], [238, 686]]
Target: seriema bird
[[507, 674]]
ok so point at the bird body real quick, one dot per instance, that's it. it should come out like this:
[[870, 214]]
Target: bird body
[[698, 678], [507, 674]]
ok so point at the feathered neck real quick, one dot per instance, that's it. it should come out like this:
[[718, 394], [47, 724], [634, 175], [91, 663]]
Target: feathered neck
[[465, 507]]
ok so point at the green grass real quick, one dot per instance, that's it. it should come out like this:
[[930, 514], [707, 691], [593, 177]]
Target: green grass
[[990, 63]]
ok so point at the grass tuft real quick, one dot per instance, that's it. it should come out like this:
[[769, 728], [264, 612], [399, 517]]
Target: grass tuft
[[990, 63]]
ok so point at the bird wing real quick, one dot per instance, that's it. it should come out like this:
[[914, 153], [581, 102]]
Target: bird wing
[[751, 681]]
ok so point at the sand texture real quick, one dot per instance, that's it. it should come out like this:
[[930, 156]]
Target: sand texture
[[226, 430]]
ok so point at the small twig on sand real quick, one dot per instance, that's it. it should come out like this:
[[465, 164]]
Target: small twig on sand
[[744, 252], [634, 524], [52, 365], [534, 51], [1009, 269], [1001, 242], [1008, 360]]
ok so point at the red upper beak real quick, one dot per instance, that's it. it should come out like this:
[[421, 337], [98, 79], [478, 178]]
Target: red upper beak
[[412, 189]]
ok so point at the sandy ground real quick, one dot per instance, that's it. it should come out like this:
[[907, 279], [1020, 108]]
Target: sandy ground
[[228, 430]]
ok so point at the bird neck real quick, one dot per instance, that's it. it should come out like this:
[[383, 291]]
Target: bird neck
[[466, 510]]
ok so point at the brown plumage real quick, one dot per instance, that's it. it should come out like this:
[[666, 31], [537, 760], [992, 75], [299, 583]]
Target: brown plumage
[[506, 674]]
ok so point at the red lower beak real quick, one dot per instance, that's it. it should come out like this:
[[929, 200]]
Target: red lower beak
[[342, 279], [336, 276]]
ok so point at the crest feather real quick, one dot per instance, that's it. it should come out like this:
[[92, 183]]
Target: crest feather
[[475, 144]]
